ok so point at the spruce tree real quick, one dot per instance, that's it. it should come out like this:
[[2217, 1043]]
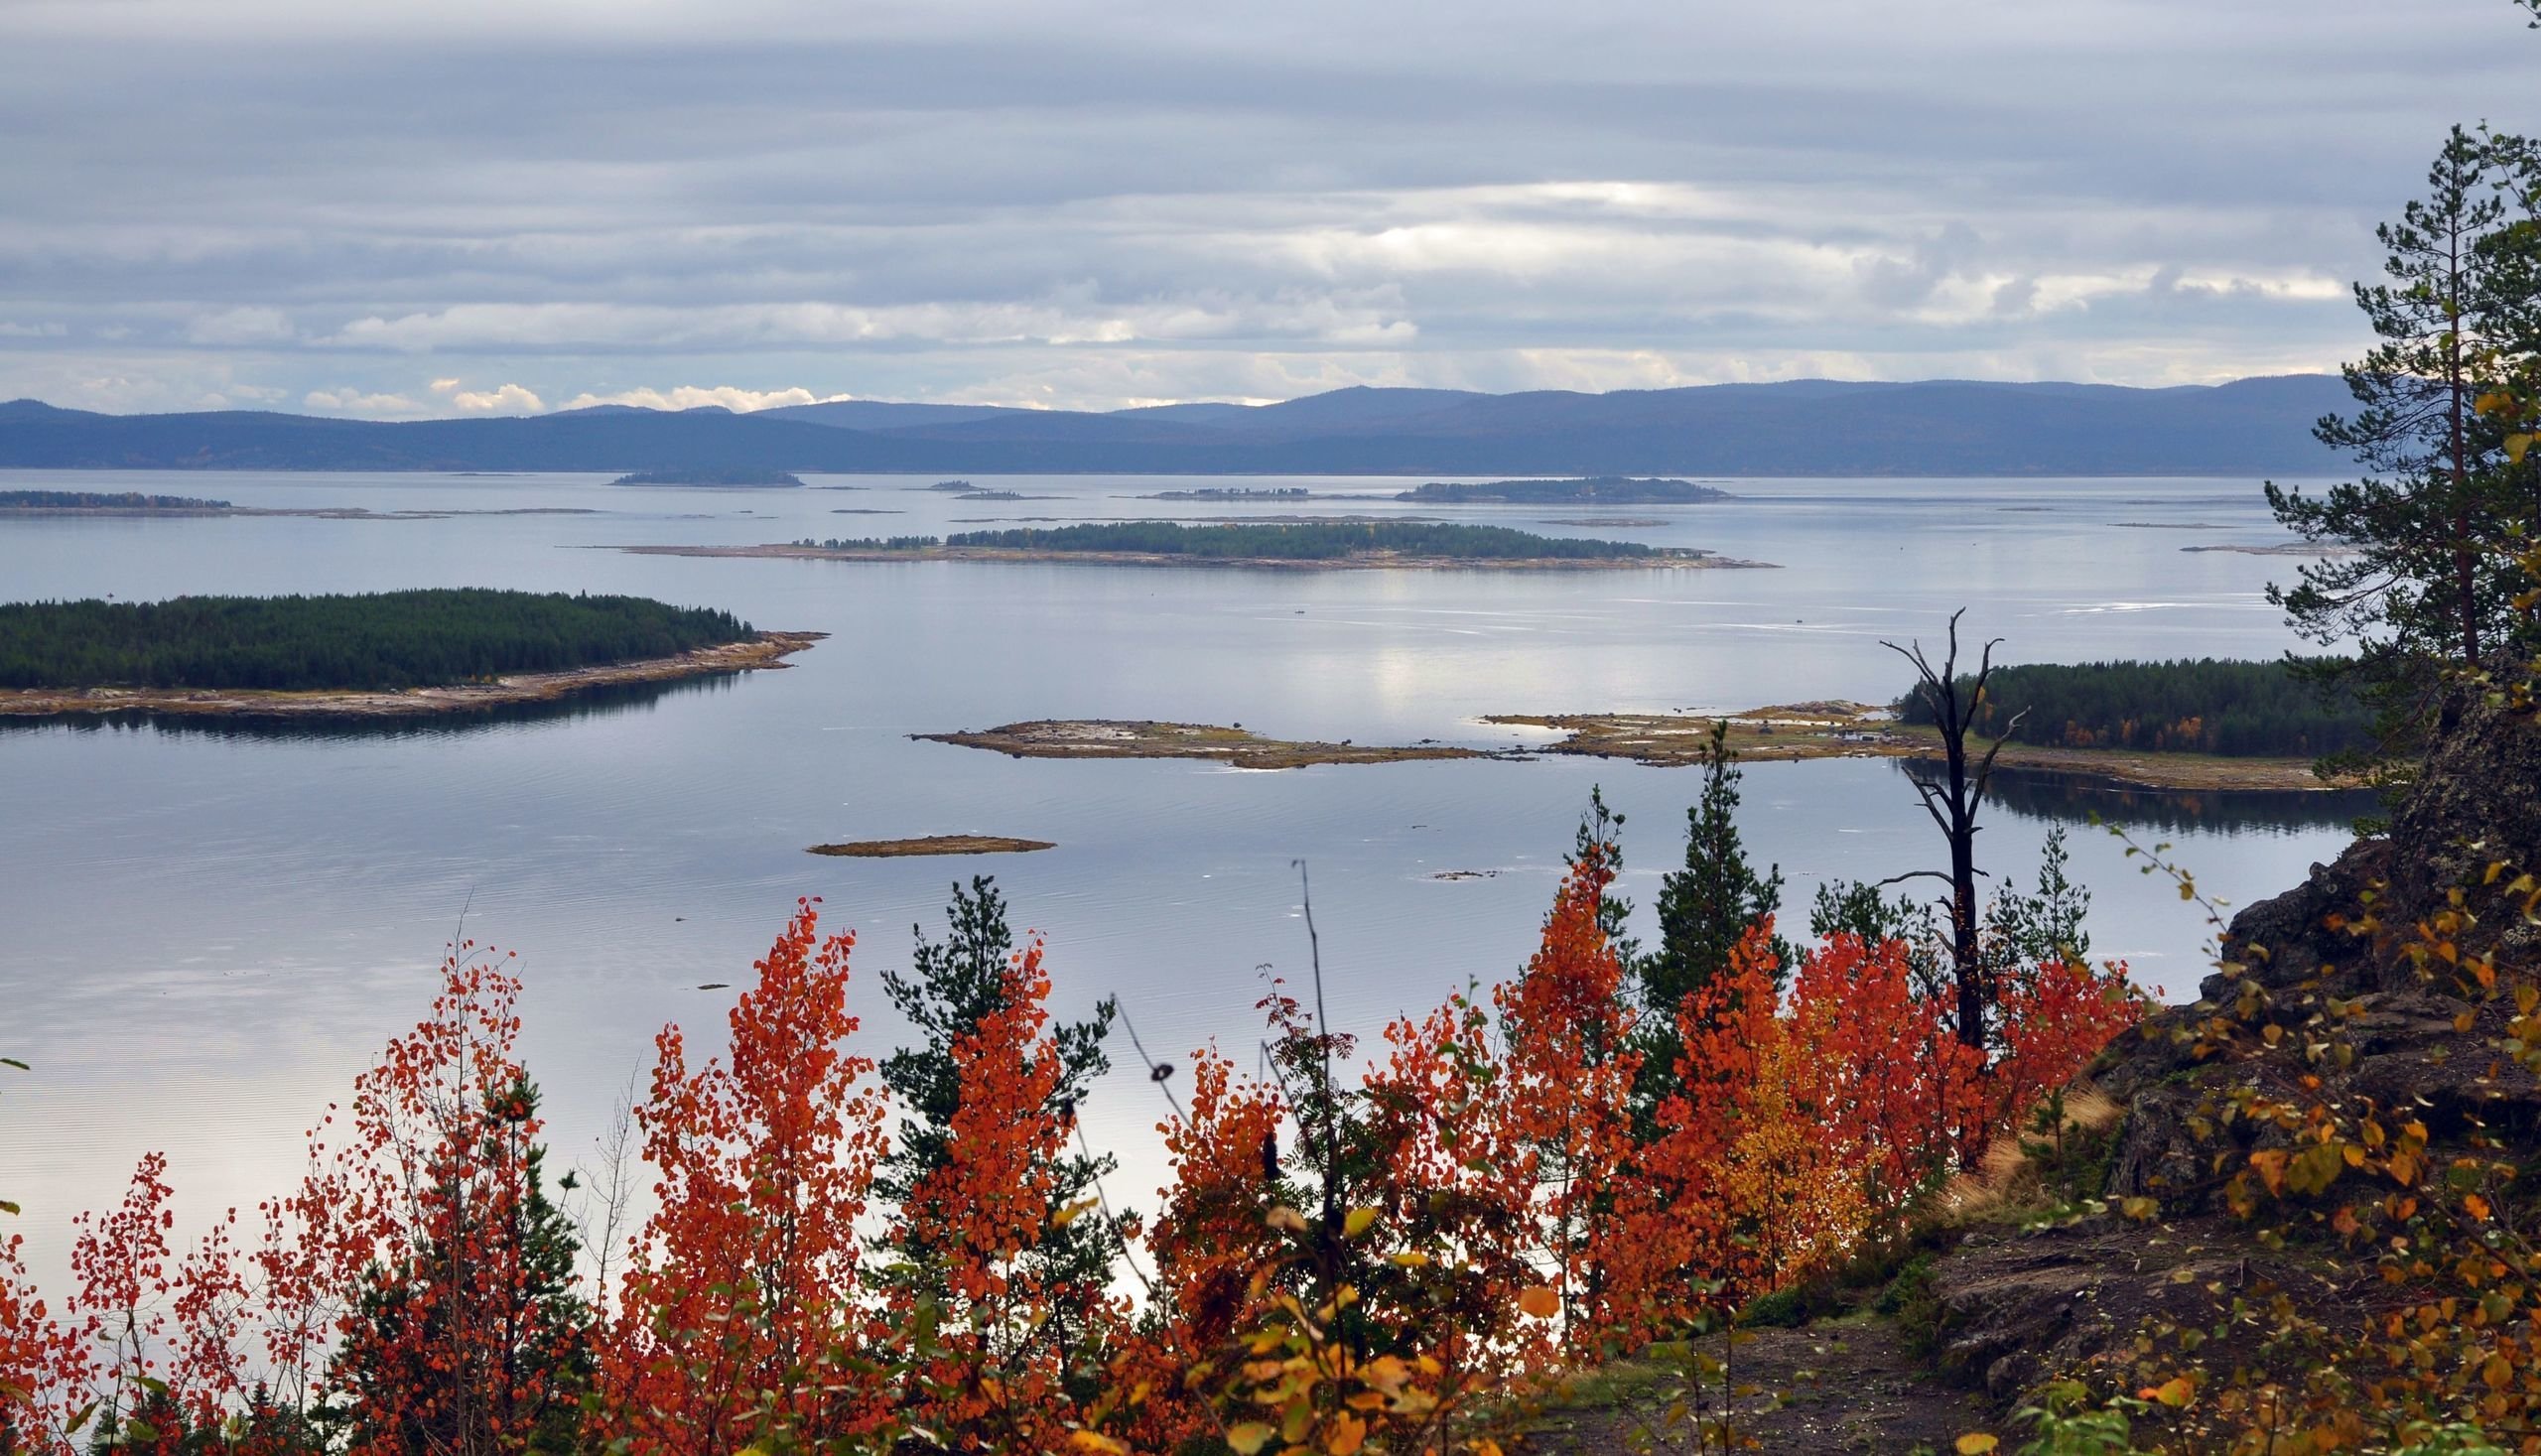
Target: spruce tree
[[445, 1357], [1704, 910]]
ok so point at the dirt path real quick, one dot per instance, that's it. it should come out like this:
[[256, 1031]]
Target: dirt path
[[1830, 1387]]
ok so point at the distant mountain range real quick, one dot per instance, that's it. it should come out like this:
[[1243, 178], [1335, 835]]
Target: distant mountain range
[[1811, 427]]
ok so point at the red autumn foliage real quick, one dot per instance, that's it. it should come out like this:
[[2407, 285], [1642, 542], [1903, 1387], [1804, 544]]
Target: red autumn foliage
[[1473, 1210], [740, 1313], [999, 1379], [1566, 1074]]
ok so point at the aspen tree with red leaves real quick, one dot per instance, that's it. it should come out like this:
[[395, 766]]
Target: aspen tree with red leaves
[[467, 1335], [953, 987], [740, 1320], [46, 1369], [120, 1259], [1568, 1071], [1018, 1341], [1895, 1093]]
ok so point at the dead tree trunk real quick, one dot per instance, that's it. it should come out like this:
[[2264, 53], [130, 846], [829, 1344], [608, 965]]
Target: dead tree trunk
[[1952, 803]]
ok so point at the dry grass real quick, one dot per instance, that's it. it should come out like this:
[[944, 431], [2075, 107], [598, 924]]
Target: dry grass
[[2008, 1175]]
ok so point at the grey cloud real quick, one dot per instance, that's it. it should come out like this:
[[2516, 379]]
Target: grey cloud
[[1092, 202]]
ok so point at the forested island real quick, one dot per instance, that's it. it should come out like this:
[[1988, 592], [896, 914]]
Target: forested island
[[732, 478], [472, 646], [1415, 545], [1593, 490], [105, 502]]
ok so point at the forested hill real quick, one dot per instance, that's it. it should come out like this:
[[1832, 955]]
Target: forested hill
[[1800, 428], [2239, 710]]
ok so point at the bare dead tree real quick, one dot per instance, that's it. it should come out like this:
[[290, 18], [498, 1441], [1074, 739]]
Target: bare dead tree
[[1952, 803], [614, 1191]]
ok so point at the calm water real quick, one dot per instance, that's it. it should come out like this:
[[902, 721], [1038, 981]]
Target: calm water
[[207, 932]]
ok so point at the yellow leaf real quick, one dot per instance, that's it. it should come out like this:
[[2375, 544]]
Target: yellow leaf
[[1540, 1301], [1976, 1443], [2517, 445], [1348, 1434], [2475, 1206], [1074, 1211], [2141, 1209], [1411, 1258], [1359, 1221], [2174, 1391], [1097, 1441], [1250, 1436], [2270, 1162]]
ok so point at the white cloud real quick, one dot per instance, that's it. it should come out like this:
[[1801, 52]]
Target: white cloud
[[11, 329], [444, 386], [691, 396], [241, 326], [510, 399], [350, 401], [1365, 316]]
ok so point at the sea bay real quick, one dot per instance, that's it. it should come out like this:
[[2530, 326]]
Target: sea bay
[[212, 928]]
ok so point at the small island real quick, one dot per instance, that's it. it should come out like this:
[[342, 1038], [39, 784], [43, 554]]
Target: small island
[[720, 480], [1592, 489], [936, 844], [1354, 545], [1146, 738], [386, 654]]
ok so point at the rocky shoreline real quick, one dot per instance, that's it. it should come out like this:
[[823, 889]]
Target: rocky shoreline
[[1146, 739]]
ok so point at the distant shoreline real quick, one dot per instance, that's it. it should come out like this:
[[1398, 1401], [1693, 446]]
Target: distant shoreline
[[306, 513], [763, 650], [1372, 561]]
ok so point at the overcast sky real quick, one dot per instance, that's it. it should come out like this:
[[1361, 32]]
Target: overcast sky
[[383, 209]]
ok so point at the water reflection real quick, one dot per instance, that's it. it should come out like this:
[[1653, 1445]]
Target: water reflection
[[2045, 794], [604, 700]]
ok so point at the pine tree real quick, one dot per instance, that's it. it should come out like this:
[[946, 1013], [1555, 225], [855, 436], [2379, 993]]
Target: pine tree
[[2429, 580], [953, 987]]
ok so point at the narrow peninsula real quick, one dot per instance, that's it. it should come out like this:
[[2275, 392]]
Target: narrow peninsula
[[1146, 738], [106, 503], [383, 655], [1356, 545], [21, 503]]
